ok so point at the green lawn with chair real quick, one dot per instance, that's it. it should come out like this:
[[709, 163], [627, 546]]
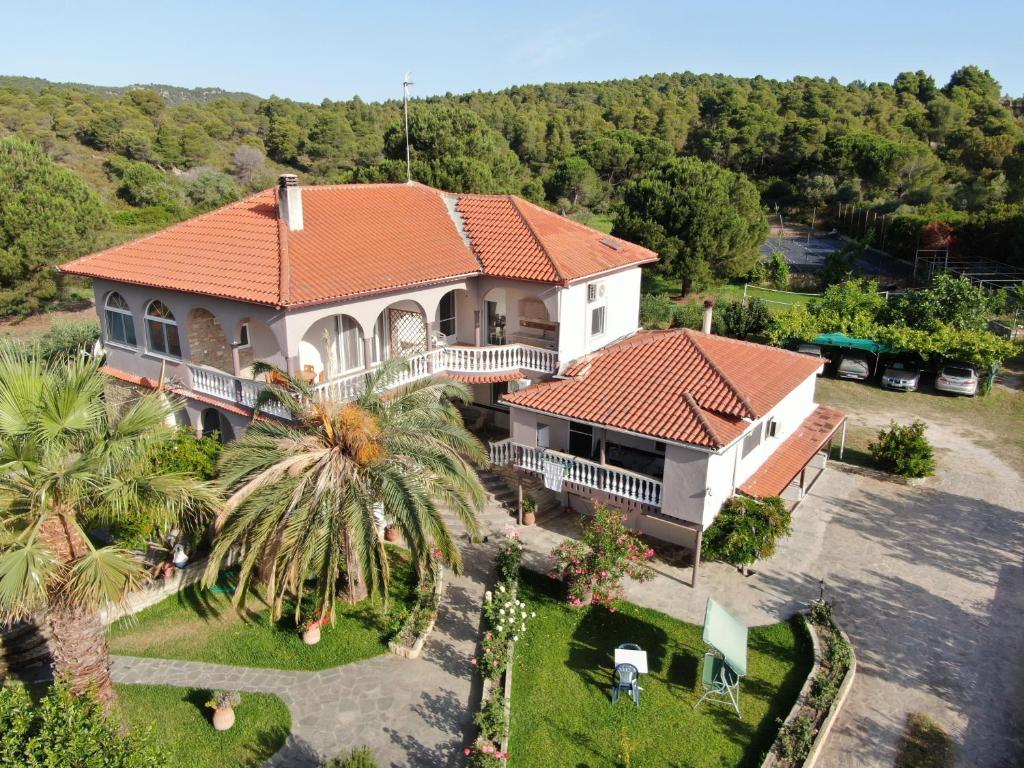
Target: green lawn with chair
[[562, 710]]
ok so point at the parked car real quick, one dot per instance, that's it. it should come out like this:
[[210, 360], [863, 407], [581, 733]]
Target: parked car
[[813, 350], [854, 365], [903, 375], [958, 379]]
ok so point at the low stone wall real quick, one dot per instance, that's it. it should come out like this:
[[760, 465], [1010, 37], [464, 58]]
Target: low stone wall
[[772, 759], [155, 591], [413, 648]]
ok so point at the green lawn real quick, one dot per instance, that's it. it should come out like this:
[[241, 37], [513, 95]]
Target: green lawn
[[561, 707], [202, 625], [653, 283], [180, 727]]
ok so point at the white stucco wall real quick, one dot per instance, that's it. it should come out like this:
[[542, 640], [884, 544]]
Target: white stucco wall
[[621, 299]]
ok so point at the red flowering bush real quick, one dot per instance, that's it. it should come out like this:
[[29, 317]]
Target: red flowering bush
[[593, 567]]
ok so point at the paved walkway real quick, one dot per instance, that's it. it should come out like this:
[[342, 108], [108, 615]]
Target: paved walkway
[[409, 712]]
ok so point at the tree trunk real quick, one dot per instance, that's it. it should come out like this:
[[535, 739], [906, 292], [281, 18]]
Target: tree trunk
[[79, 650], [74, 634], [356, 589]]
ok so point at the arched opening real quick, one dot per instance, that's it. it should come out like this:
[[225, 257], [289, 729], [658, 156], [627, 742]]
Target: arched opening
[[206, 341], [513, 315], [213, 422], [453, 322], [401, 329], [118, 321], [162, 330], [331, 347]]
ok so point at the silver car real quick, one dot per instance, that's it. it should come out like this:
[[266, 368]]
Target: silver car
[[854, 365], [957, 379], [902, 375]]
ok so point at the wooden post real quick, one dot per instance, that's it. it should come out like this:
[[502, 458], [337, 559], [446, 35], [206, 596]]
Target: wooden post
[[696, 555], [519, 497]]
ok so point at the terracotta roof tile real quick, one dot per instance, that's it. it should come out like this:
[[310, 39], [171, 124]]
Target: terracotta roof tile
[[487, 378], [359, 239], [782, 467], [678, 385], [517, 239], [142, 381]]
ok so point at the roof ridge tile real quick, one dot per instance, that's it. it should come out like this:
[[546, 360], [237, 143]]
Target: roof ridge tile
[[691, 336], [513, 201]]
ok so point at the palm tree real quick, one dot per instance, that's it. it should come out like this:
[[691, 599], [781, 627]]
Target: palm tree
[[305, 497], [68, 460]]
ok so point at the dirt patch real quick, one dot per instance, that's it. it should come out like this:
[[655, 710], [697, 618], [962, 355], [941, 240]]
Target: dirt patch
[[36, 325]]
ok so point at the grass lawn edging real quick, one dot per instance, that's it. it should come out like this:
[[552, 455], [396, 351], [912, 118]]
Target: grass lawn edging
[[823, 718], [410, 639]]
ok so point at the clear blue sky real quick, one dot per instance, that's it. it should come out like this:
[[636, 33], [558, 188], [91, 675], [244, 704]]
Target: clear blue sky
[[336, 49]]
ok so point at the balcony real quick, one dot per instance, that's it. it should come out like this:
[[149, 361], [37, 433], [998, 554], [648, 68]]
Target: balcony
[[442, 361], [620, 485]]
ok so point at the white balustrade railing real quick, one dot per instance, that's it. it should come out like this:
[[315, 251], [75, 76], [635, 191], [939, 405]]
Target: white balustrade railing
[[483, 360], [601, 477]]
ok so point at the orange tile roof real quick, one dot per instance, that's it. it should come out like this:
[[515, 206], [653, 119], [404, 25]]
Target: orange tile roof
[[488, 378], [359, 239], [143, 381], [517, 239], [677, 385], [789, 459]]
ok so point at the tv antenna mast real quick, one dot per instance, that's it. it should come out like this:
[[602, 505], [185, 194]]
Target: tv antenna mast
[[406, 82]]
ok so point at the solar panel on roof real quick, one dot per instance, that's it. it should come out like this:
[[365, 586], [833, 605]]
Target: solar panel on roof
[[611, 244]]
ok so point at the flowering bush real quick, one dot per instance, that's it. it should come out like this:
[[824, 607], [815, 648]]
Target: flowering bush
[[509, 557], [506, 620], [484, 754], [593, 567]]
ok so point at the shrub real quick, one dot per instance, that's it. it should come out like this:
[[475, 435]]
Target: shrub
[[68, 338], [656, 310], [821, 613], [510, 555], [190, 454], [838, 656], [904, 450], [839, 266], [490, 719], [360, 757], [690, 315], [796, 738], [593, 567], [758, 275], [824, 689], [746, 530], [63, 729], [745, 318], [777, 271]]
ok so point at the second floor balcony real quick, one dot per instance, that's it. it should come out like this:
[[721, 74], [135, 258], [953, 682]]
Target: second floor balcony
[[443, 361]]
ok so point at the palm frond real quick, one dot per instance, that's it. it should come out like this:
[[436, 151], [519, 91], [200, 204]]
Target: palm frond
[[103, 577], [26, 571]]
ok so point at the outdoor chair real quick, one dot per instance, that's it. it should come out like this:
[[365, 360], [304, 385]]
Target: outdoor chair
[[630, 647], [626, 679], [719, 682]]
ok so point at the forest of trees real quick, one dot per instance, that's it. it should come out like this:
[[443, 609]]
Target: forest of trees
[[651, 155]]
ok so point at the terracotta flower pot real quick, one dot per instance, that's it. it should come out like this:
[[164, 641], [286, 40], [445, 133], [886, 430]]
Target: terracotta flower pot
[[223, 718], [312, 635], [529, 518], [391, 534]]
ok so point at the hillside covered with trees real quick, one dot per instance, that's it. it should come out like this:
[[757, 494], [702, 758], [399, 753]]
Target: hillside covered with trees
[[656, 156]]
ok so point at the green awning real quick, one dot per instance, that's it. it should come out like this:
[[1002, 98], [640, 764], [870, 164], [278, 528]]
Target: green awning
[[849, 342], [727, 635]]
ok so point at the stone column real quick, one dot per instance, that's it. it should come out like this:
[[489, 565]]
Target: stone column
[[367, 352]]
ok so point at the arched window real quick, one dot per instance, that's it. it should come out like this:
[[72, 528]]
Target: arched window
[[119, 321], [162, 330]]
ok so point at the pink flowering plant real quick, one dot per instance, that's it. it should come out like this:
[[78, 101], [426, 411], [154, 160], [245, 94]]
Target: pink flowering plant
[[593, 567]]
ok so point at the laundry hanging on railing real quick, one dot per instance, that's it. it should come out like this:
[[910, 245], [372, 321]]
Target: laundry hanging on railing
[[554, 475]]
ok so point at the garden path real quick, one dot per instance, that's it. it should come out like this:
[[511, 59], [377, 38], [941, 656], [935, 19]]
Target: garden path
[[409, 712]]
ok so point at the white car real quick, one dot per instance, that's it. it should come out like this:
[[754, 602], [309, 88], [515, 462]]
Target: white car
[[957, 379]]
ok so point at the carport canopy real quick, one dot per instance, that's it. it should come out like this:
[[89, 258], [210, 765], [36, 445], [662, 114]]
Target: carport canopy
[[849, 342]]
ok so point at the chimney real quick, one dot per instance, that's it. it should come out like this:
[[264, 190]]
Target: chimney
[[709, 306], [289, 201]]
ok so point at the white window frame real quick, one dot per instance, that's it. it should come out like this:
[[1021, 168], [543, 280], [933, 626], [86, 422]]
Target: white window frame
[[246, 332], [164, 323], [442, 319], [603, 309], [127, 321]]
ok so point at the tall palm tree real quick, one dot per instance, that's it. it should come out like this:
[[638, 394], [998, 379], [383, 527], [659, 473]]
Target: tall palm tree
[[305, 497], [68, 459]]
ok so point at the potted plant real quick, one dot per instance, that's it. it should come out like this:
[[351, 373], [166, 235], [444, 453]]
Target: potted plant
[[223, 705], [311, 630], [529, 510], [391, 533]]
